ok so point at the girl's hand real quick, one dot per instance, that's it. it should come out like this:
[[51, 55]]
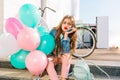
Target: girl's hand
[[69, 32], [73, 30]]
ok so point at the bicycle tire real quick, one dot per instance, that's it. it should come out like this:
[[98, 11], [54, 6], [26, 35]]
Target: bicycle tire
[[85, 48]]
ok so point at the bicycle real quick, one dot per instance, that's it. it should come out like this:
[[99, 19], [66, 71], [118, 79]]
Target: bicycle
[[86, 41], [84, 48], [42, 20]]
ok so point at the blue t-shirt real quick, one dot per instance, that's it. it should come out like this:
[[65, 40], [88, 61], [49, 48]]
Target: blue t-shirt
[[65, 43]]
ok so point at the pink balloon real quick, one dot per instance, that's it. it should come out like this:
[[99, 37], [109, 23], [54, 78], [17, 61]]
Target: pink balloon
[[13, 26], [36, 62], [28, 39]]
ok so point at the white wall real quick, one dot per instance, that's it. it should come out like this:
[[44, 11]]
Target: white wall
[[75, 9], [11, 7], [62, 7], [102, 32], [1, 15]]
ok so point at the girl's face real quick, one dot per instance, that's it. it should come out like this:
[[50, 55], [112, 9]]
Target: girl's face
[[66, 24]]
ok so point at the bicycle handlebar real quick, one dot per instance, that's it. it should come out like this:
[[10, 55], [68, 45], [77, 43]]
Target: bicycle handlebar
[[43, 10]]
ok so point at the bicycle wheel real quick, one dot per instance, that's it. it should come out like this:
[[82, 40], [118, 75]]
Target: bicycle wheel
[[86, 42]]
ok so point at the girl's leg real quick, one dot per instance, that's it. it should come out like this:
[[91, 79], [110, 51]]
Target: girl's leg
[[51, 70], [65, 65]]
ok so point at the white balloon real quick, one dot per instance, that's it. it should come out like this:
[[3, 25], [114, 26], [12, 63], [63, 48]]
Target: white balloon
[[8, 45]]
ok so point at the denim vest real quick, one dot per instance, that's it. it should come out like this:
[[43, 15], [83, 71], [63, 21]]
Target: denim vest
[[65, 43]]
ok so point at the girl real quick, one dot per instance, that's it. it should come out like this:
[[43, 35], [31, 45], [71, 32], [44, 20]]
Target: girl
[[65, 37]]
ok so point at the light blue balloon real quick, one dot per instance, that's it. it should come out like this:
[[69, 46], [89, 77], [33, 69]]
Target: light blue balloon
[[18, 59], [29, 15], [47, 44], [42, 30]]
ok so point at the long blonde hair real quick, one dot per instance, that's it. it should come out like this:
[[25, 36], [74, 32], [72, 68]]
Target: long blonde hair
[[72, 36]]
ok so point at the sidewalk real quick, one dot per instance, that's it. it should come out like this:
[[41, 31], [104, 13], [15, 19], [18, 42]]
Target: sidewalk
[[100, 55], [105, 55]]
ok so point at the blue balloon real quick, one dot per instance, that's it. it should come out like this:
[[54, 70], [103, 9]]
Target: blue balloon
[[42, 30], [47, 44], [29, 15], [18, 59]]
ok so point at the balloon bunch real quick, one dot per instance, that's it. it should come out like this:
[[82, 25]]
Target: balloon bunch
[[27, 43]]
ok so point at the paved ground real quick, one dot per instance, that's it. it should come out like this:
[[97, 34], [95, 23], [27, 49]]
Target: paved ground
[[105, 55], [101, 55]]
